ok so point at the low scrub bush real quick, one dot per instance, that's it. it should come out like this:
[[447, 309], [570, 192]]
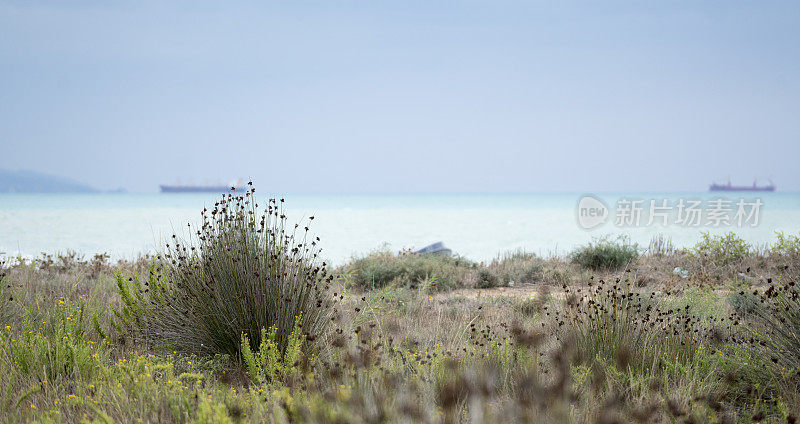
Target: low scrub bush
[[383, 268], [486, 279], [558, 276], [605, 253], [744, 303], [786, 244], [722, 249]]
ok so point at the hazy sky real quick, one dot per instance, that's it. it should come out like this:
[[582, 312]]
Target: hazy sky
[[405, 96]]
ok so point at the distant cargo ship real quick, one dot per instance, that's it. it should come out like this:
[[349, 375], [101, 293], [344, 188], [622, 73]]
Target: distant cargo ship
[[755, 187], [217, 188]]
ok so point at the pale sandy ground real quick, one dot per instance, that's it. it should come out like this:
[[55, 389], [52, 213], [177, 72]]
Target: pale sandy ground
[[523, 291]]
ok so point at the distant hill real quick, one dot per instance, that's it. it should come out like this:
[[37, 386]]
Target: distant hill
[[24, 181]]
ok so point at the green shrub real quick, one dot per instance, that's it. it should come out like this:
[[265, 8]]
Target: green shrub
[[269, 363], [383, 268], [787, 245], [244, 270], [604, 253], [486, 279], [53, 348], [721, 249], [139, 298], [704, 301], [744, 303], [209, 412]]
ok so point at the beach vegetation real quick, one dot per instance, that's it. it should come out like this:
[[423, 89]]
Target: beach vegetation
[[660, 246], [383, 268], [517, 267], [243, 270], [606, 253], [595, 346], [721, 249], [786, 245]]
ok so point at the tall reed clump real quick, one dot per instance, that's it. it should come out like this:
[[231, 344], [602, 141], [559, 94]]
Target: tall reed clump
[[6, 297], [774, 318], [242, 271], [610, 322]]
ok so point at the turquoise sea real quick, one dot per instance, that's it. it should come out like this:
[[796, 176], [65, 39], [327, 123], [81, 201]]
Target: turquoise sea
[[477, 226]]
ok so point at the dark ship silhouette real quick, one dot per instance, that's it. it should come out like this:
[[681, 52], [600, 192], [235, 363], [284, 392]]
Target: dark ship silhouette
[[755, 187], [191, 188]]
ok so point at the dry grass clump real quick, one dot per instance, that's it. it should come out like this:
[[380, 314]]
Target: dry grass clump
[[516, 267], [660, 245], [72, 261]]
